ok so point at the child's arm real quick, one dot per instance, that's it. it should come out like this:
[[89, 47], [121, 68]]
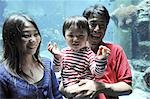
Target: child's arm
[[54, 50], [57, 55], [103, 52], [99, 65]]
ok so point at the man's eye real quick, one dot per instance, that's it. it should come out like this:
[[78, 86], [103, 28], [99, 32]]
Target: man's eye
[[102, 26], [93, 24]]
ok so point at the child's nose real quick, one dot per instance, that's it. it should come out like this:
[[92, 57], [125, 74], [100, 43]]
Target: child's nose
[[75, 38]]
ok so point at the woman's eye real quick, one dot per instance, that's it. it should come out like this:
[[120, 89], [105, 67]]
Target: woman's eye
[[36, 34], [26, 36]]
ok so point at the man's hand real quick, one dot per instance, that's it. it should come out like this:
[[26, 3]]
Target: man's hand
[[88, 88]]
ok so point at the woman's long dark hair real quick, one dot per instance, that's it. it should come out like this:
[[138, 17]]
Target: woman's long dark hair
[[12, 33]]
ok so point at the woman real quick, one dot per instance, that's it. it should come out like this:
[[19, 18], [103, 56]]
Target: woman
[[22, 73]]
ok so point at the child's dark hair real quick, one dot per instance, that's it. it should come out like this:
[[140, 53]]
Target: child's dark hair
[[78, 21]]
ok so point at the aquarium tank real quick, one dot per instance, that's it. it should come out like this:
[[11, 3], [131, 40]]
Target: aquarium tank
[[129, 27]]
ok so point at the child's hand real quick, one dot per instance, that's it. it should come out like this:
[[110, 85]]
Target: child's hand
[[103, 52], [54, 49]]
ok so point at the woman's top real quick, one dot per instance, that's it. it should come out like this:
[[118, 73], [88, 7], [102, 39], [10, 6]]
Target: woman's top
[[17, 88]]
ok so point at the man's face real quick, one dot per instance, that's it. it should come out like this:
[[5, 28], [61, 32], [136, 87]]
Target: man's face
[[97, 27]]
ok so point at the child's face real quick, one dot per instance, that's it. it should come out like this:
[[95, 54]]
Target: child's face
[[76, 38]]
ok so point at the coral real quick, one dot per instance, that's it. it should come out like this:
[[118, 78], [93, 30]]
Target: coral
[[124, 16]]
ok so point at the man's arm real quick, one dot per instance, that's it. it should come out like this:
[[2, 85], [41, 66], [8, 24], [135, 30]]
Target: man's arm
[[94, 88], [116, 89]]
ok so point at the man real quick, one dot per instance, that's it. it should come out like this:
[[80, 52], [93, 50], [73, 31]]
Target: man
[[117, 79]]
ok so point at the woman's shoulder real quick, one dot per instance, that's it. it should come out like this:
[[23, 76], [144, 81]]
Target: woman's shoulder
[[3, 72], [45, 59], [2, 69], [47, 62]]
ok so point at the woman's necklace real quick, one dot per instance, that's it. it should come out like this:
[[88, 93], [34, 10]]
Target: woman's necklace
[[28, 70], [31, 73]]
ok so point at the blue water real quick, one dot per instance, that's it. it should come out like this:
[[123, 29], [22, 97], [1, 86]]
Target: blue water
[[49, 16]]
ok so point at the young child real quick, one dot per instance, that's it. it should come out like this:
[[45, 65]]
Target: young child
[[78, 61]]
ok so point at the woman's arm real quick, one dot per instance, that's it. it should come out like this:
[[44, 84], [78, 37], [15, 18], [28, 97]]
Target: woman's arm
[[55, 86], [3, 89]]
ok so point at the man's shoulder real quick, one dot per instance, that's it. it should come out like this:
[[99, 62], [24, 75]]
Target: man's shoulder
[[113, 46]]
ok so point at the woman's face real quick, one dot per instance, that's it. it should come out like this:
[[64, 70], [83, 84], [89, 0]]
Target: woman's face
[[30, 39], [76, 38]]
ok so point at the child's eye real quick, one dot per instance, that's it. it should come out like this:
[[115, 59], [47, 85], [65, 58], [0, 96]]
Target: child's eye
[[70, 35], [80, 35]]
